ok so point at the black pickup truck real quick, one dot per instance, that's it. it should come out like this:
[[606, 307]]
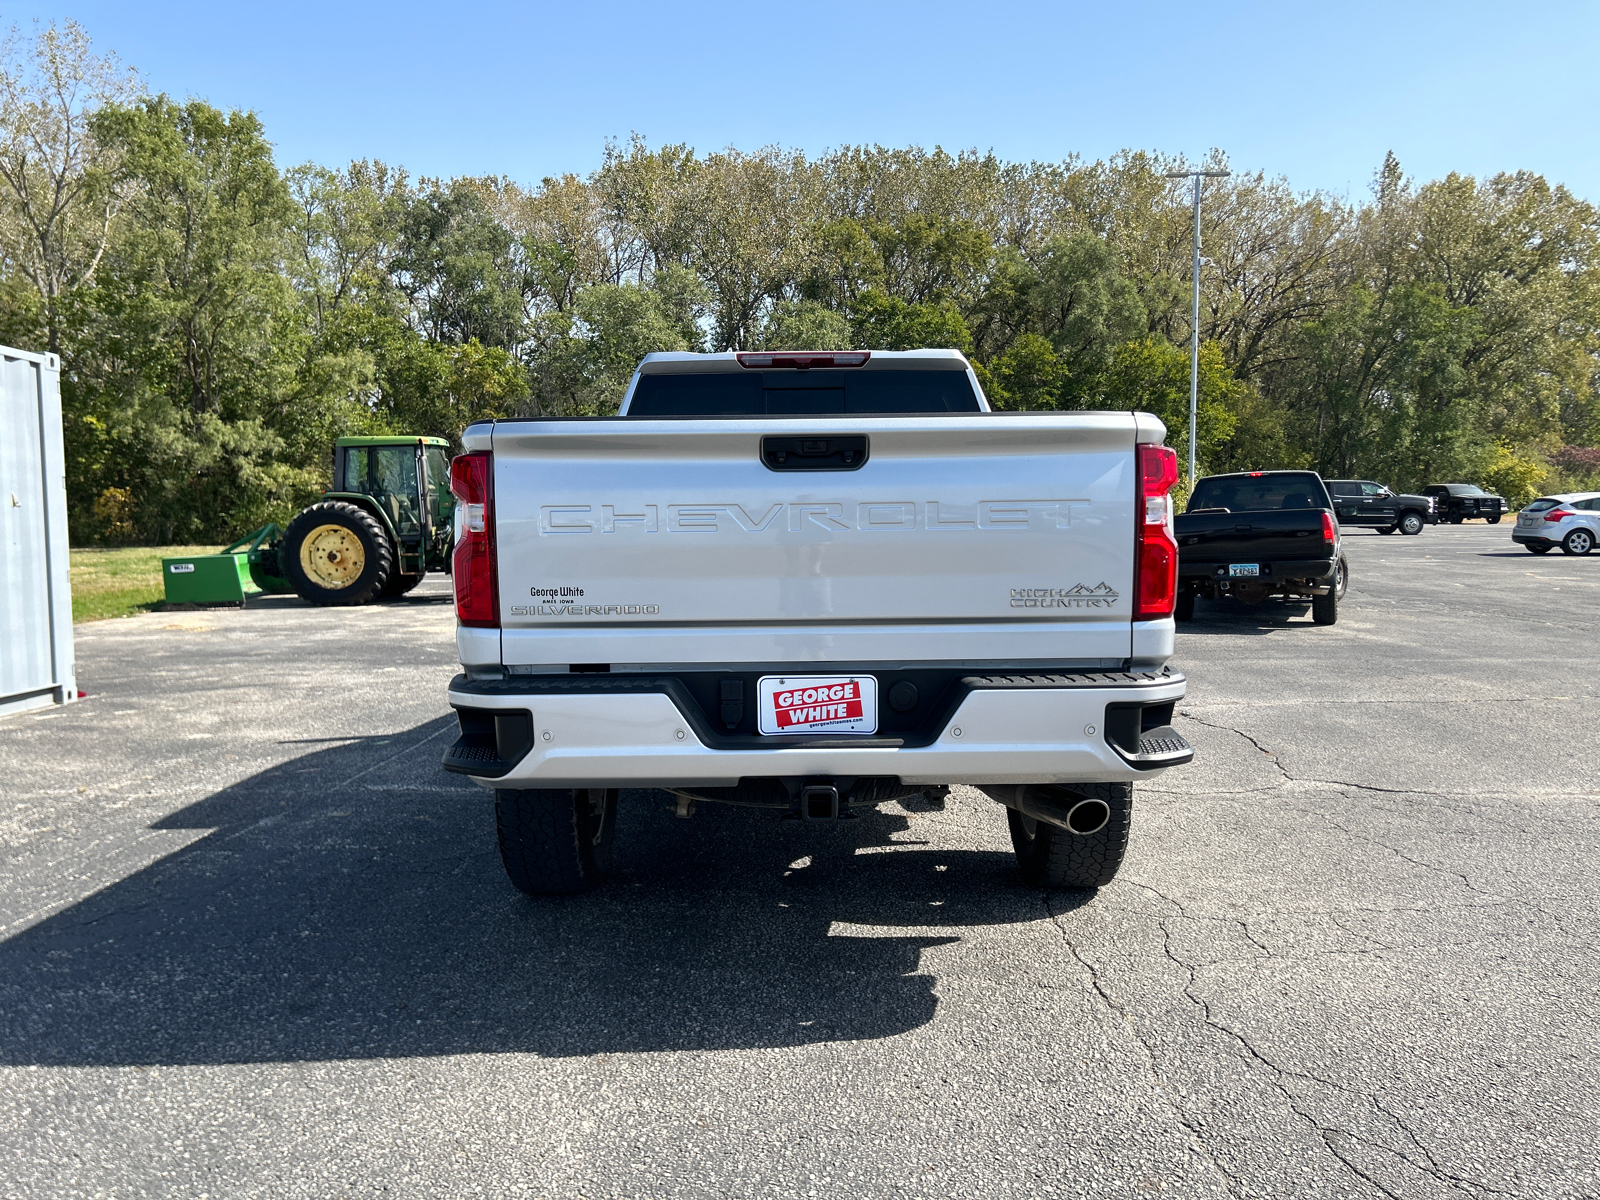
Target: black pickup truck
[[1363, 502], [1261, 534], [1458, 502]]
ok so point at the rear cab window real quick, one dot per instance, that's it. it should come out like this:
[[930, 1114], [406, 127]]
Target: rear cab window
[[791, 393], [1259, 493]]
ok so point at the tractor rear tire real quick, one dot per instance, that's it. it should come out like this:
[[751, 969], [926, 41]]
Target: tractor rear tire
[[555, 841], [335, 555]]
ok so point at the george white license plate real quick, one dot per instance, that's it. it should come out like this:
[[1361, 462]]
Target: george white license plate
[[818, 703], [1249, 570]]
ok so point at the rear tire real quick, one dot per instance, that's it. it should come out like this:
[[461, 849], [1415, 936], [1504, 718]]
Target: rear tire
[[335, 554], [555, 841], [1540, 549], [1051, 857], [1579, 541], [1456, 520], [1325, 609], [1388, 529], [1493, 518], [398, 585], [1183, 608], [1411, 524]]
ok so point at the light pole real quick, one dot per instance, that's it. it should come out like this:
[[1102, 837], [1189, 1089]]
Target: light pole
[[1194, 317]]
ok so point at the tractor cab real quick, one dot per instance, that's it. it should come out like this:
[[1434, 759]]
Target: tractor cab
[[405, 483]]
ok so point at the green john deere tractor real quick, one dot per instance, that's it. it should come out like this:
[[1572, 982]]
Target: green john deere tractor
[[385, 523]]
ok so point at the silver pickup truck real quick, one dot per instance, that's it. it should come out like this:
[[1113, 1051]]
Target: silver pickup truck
[[814, 583]]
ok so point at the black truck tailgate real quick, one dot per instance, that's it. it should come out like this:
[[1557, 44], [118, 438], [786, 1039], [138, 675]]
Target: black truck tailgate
[[1247, 537]]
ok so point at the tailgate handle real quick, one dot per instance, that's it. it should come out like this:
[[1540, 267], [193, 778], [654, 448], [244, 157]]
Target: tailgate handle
[[846, 452]]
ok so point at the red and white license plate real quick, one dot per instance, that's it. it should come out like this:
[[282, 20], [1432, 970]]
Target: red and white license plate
[[818, 703]]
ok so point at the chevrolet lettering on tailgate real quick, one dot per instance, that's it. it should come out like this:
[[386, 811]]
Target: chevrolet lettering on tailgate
[[870, 516]]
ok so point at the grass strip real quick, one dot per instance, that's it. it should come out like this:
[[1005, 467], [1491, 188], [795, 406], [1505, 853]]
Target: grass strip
[[123, 581]]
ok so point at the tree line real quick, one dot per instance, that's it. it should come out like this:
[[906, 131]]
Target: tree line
[[220, 319]]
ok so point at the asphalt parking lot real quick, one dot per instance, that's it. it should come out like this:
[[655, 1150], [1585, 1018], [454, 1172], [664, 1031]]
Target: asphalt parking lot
[[254, 942]]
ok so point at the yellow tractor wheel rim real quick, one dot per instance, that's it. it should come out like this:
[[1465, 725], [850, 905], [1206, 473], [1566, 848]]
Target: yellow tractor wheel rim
[[332, 557]]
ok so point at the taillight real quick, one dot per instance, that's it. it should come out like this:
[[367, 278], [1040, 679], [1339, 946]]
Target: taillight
[[1330, 532], [472, 562], [1559, 514], [805, 359], [1155, 572]]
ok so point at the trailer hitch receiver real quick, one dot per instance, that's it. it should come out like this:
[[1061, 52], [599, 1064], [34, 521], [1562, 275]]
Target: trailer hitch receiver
[[819, 802]]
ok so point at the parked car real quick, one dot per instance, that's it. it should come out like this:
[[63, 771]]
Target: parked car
[[1259, 534], [1362, 502], [1570, 520], [1458, 502]]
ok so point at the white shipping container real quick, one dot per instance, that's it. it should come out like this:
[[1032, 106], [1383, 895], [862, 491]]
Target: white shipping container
[[36, 659]]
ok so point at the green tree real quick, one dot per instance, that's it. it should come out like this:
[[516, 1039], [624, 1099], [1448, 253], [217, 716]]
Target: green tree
[[883, 322], [1381, 387], [586, 365], [59, 189], [1027, 376], [192, 338], [805, 325], [1237, 430], [456, 267]]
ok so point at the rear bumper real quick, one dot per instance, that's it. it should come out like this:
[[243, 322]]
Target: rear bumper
[[1524, 538], [1319, 569], [624, 733]]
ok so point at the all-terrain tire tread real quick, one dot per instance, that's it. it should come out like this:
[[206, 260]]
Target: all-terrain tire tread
[[1056, 858], [542, 841]]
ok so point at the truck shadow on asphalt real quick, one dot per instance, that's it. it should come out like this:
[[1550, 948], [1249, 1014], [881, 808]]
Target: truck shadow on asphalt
[[1218, 618], [351, 905]]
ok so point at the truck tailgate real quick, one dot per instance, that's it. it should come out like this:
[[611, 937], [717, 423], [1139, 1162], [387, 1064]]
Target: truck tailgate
[[980, 538], [1238, 537]]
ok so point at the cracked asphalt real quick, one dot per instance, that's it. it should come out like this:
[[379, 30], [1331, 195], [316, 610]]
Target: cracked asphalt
[[254, 943]]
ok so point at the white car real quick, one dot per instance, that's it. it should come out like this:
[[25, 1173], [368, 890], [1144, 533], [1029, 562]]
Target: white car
[[1571, 521]]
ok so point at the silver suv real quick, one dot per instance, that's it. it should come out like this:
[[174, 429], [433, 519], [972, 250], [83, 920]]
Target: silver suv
[[1571, 521]]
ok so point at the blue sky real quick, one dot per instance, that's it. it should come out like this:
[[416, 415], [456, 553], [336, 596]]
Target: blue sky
[[1316, 93]]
